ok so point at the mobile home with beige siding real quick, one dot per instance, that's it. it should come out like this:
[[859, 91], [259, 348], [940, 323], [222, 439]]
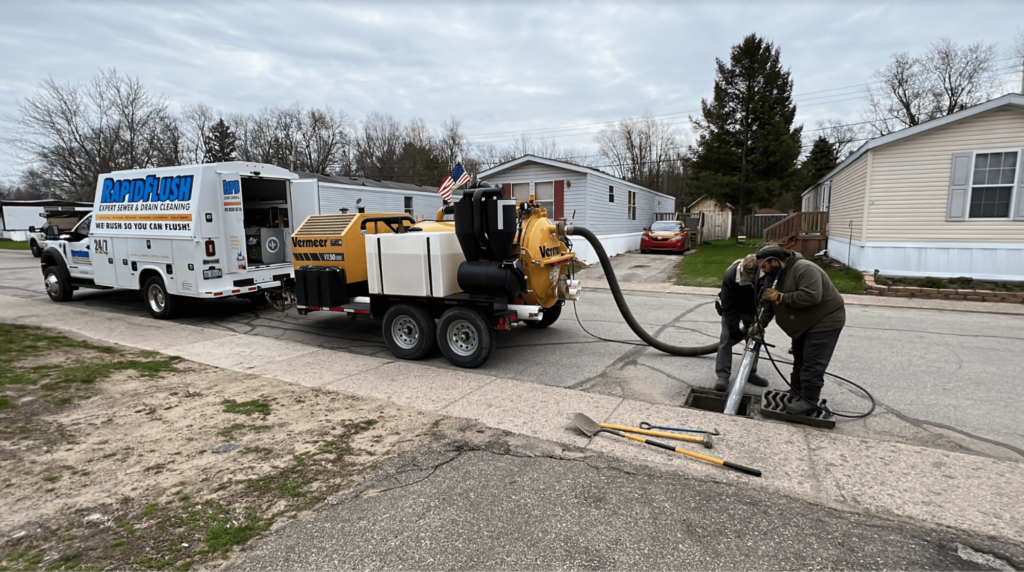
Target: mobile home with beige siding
[[941, 199], [615, 210]]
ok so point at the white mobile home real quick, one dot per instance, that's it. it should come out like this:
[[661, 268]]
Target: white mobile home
[[617, 211], [341, 192], [941, 199]]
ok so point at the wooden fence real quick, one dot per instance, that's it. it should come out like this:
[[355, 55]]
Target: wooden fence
[[755, 225], [715, 226]]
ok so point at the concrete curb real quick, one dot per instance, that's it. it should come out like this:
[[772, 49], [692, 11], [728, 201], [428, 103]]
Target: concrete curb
[[847, 473], [851, 299]]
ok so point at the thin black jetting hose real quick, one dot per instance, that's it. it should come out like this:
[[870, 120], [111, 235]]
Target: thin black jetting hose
[[613, 284]]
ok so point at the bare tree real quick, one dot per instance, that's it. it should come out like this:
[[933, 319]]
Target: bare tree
[[326, 141], [912, 90], [1017, 53], [379, 146], [843, 137], [451, 141], [74, 133], [195, 121], [640, 150]]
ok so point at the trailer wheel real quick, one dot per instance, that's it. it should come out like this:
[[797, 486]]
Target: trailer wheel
[[409, 331], [34, 246], [162, 305], [57, 285], [465, 337], [550, 317]]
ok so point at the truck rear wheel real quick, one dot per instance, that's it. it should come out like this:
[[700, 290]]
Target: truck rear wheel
[[550, 317], [162, 305], [409, 331], [57, 285], [465, 337]]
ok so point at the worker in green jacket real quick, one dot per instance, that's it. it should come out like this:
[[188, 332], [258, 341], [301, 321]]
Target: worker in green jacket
[[811, 311]]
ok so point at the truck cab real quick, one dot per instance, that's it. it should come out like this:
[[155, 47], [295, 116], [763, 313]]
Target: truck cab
[[67, 259]]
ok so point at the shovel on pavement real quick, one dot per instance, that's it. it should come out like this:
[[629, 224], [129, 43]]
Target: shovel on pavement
[[591, 428]]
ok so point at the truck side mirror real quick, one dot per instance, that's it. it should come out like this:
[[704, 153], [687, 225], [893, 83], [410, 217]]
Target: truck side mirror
[[32, 229], [52, 232]]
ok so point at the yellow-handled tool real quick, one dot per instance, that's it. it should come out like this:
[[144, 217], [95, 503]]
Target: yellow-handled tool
[[591, 428], [705, 440]]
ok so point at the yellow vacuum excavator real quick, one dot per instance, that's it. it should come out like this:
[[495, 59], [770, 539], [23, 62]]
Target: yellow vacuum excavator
[[497, 264]]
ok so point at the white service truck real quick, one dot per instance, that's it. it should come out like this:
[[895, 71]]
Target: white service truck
[[177, 233]]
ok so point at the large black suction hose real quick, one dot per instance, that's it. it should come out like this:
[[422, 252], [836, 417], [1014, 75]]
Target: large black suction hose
[[613, 283]]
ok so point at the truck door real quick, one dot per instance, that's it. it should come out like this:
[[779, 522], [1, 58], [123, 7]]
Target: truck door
[[80, 250], [303, 201], [233, 222]]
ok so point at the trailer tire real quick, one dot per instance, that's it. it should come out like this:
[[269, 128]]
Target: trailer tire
[[409, 331], [161, 304], [465, 337], [57, 285], [34, 246], [550, 317]]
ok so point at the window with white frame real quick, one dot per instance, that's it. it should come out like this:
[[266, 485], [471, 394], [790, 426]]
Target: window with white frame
[[992, 183], [631, 209], [408, 205], [611, 193], [520, 192], [545, 193]]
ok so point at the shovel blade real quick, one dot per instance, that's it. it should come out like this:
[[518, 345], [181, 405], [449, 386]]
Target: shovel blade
[[586, 424]]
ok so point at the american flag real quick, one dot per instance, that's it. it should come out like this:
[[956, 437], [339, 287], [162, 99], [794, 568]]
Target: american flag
[[453, 181]]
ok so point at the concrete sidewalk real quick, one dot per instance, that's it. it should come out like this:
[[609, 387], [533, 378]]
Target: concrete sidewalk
[[966, 492]]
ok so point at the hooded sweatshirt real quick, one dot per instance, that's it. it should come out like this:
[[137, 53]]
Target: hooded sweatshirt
[[810, 303]]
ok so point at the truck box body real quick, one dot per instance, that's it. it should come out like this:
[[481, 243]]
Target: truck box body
[[208, 230]]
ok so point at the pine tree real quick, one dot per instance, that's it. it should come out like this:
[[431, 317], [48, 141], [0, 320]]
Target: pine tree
[[747, 146], [220, 143], [822, 159]]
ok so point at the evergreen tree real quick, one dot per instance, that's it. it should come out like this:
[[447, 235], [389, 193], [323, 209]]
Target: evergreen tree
[[747, 146], [822, 159], [220, 143]]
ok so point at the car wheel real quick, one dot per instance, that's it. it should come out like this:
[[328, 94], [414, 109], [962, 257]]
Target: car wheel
[[409, 331], [34, 246], [465, 337], [550, 317], [57, 285], [162, 305]]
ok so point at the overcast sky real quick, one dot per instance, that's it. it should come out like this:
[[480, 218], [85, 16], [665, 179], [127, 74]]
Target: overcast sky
[[500, 67]]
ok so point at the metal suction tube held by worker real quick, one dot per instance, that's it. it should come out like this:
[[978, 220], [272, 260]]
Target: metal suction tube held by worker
[[613, 283], [732, 405]]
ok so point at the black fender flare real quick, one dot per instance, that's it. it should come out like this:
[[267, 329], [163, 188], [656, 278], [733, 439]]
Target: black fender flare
[[53, 257]]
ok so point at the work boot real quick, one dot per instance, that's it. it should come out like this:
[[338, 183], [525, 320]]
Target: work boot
[[757, 380], [722, 384], [802, 406]]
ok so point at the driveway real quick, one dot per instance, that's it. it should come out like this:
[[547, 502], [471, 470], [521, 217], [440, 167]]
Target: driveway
[[653, 268]]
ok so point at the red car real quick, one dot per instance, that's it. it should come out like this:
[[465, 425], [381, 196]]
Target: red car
[[668, 235]]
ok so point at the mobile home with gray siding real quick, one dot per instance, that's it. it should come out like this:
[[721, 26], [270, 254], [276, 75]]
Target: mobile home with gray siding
[[616, 210]]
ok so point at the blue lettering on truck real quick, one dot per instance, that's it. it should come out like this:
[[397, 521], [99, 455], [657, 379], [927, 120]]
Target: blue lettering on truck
[[149, 189]]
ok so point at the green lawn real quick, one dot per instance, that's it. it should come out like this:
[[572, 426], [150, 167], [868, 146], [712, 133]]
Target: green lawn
[[12, 245], [707, 264]]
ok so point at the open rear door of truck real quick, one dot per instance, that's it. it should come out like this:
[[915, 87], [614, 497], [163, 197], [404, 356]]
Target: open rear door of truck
[[233, 222]]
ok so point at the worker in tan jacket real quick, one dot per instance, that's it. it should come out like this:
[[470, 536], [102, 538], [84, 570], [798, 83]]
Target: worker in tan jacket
[[811, 311]]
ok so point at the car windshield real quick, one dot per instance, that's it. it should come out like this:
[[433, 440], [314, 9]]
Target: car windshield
[[666, 226]]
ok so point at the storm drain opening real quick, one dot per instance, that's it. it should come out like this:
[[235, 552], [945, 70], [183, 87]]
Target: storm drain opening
[[708, 400]]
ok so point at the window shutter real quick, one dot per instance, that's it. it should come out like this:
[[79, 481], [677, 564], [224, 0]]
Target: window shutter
[[1018, 208], [559, 199], [959, 185]]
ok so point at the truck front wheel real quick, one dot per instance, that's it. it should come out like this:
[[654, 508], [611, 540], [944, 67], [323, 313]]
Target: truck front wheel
[[57, 286], [465, 337], [36, 251], [161, 304], [409, 331]]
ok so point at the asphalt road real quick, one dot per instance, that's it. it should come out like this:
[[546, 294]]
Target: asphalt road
[[941, 379], [523, 507]]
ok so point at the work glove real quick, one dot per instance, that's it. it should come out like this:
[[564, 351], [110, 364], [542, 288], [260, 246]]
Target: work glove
[[772, 295], [755, 331]]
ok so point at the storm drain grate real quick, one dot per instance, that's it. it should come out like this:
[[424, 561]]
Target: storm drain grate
[[709, 400], [773, 406]]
